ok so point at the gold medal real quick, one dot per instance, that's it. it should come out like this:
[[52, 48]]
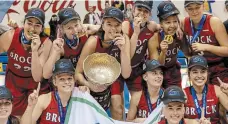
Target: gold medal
[[168, 39], [31, 33], [81, 34]]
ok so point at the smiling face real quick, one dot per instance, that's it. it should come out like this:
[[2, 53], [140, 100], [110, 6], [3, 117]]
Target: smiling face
[[64, 82], [154, 78], [170, 25], [195, 11], [174, 112], [72, 28], [5, 108], [198, 76], [32, 26], [142, 12], [111, 27]]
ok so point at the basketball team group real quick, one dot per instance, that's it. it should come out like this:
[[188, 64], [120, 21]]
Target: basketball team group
[[41, 73]]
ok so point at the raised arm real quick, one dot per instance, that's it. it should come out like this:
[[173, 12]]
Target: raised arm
[[56, 51], [88, 49], [40, 53], [35, 107], [5, 40], [153, 47], [153, 26], [222, 97], [221, 36], [125, 59]]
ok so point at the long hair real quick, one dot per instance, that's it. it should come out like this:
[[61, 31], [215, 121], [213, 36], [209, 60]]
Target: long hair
[[144, 85], [13, 120], [100, 33]]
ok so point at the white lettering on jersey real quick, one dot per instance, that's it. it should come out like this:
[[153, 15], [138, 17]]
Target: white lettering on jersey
[[209, 110], [53, 117], [143, 113], [21, 59], [200, 39], [139, 46]]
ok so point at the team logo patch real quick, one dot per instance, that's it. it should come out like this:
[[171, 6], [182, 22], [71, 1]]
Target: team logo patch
[[173, 92], [113, 13], [68, 13], [167, 7], [64, 65], [154, 62], [3, 92], [198, 59], [36, 12]]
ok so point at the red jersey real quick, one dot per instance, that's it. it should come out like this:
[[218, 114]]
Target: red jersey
[[171, 54], [51, 114], [206, 36], [212, 108], [141, 46], [19, 60], [164, 121], [142, 109], [130, 30], [72, 54], [113, 50], [104, 98]]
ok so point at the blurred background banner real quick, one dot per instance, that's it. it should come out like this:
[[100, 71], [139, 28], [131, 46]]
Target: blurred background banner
[[4, 7], [16, 9]]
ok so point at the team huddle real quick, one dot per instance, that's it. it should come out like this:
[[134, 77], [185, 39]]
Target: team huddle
[[41, 74]]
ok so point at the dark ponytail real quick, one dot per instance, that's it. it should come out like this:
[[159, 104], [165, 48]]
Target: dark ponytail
[[144, 86], [13, 120], [100, 33]]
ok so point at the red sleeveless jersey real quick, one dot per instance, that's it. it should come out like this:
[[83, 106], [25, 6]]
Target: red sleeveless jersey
[[171, 54], [51, 114], [142, 109], [206, 36], [74, 54], [164, 121], [212, 108], [130, 30], [141, 46], [113, 50], [19, 60]]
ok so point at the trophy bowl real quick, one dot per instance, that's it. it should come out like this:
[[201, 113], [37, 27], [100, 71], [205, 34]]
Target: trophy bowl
[[101, 68]]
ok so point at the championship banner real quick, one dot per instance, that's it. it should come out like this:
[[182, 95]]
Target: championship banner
[[16, 9], [84, 109]]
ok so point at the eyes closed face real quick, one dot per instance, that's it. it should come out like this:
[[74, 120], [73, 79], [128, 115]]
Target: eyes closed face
[[111, 27], [5, 108]]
